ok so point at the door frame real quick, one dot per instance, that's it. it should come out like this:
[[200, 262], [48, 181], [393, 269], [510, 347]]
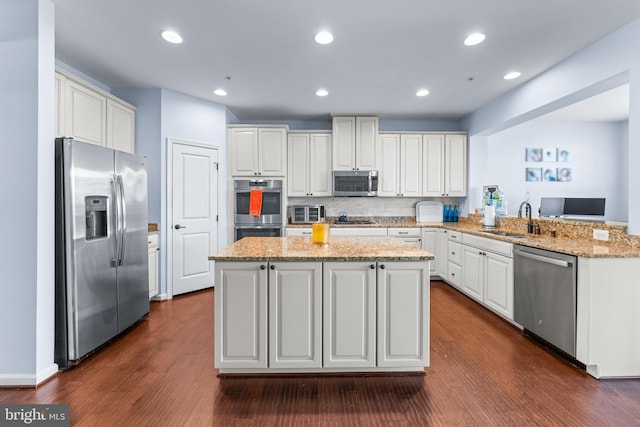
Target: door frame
[[169, 207]]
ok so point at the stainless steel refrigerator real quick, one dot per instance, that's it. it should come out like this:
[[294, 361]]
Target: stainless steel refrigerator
[[102, 276]]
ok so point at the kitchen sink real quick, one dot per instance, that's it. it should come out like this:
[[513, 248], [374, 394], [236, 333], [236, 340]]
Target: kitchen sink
[[355, 221], [504, 234]]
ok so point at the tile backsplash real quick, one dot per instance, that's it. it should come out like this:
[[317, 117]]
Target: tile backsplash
[[369, 206]]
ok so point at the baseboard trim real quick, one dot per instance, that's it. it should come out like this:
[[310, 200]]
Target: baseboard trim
[[28, 380]]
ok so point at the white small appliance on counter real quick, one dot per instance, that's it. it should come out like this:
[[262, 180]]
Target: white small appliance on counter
[[429, 211]]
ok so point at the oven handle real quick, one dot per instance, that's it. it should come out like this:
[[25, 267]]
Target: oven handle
[[541, 258]]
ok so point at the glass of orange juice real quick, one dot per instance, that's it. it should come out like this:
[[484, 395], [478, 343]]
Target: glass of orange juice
[[320, 233]]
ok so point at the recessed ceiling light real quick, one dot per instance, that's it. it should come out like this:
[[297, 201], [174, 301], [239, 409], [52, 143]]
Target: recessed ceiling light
[[422, 92], [512, 75], [323, 37], [220, 92], [474, 39], [172, 37], [322, 92]]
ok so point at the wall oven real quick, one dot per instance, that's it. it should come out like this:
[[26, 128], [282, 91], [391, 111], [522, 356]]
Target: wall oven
[[269, 222]]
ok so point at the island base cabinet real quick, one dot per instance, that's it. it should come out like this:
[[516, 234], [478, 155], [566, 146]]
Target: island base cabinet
[[403, 314], [241, 315], [349, 314], [295, 315]]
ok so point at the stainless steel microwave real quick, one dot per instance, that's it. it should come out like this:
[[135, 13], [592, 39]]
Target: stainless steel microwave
[[355, 183]]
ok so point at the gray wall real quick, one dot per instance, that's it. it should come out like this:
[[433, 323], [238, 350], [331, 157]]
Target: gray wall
[[27, 193]]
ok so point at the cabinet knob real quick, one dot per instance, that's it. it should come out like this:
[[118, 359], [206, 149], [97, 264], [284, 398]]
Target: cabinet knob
[[453, 253], [262, 267], [272, 267], [382, 266], [372, 266]]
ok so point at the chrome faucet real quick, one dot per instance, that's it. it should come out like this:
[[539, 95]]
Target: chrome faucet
[[527, 211]]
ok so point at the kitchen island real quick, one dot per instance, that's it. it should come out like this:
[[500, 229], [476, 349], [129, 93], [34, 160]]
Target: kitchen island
[[287, 305]]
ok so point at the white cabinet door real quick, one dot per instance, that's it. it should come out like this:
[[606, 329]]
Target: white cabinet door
[[473, 272], [344, 149], [430, 244], [60, 97], [153, 265], [456, 165], [309, 165], [320, 165], [442, 257], [272, 151], [498, 279], [388, 165], [241, 315], [121, 126], [411, 165], [354, 143], [295, 314], [365, 143], [298, 165], [349, 314], [403, 314], [433, 161], [243, 150], [85, 114]]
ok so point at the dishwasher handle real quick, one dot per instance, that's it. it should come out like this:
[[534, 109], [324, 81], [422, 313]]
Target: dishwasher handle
[[558, 262]]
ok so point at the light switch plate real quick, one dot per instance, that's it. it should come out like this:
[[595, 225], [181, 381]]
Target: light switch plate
[[601, 234]]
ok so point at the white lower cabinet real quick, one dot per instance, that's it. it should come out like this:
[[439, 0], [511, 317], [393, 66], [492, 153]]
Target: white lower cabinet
[[153, 265], [454, 258], [349, 308], [298, 232], [442, 258], [295, 314], [488, 273], [241, 315], [357, 232], [403, 314], [430, 244]]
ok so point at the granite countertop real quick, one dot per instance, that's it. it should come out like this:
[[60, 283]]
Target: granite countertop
[[303, 249], [587, 248], [583, 247]]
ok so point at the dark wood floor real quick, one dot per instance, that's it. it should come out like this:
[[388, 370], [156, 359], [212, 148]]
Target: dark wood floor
[[483, 372]]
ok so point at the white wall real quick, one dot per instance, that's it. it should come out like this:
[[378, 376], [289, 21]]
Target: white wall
[[27, 173], [607, 63], [597, 149]]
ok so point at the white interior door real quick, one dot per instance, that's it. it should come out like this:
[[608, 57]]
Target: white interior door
[[194, 214]]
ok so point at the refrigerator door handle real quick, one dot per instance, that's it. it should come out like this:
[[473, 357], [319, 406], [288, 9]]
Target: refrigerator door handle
[[123, 221], [115, 221]]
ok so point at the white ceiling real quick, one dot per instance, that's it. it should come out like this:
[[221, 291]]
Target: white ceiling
[[383, 51]]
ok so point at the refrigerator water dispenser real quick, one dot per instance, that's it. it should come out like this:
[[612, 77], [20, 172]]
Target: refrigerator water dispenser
[[96, 215]]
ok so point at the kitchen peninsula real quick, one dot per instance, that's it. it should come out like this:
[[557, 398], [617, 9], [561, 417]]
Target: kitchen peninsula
[[287, 305]]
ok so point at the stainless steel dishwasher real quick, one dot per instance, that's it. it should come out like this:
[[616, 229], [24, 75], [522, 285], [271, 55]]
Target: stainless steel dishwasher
[[545, 296]]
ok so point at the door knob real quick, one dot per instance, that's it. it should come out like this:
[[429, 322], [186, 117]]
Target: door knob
[[178, 226]]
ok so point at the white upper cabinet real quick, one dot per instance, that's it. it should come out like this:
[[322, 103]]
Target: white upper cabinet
[[455, 165], [86, 112], [410, 165], [389, 165], [92, 115], [121, 126], [257, 151], [400, 164], [445, 165], [309, 165], [354, 143]]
